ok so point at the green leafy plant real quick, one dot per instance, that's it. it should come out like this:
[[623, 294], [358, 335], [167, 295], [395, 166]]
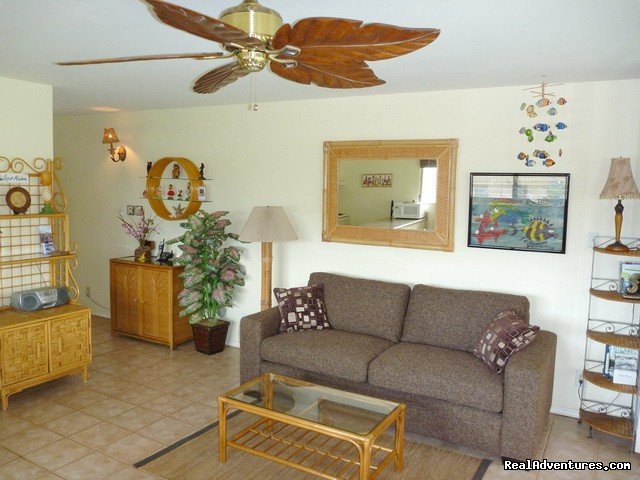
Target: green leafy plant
[[212, 269]]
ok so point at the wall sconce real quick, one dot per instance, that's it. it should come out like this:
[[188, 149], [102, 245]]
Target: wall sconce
[[110, 136]]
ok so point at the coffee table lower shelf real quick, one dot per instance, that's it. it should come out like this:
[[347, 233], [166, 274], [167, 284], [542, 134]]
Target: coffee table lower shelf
[[312, 452]]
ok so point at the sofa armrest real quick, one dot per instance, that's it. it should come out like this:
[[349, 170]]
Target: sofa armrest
[[528, 386], [253, 329]]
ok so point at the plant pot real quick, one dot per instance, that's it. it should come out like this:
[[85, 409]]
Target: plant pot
[[210, 339]]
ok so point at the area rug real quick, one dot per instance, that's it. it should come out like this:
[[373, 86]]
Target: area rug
[[196, 458]]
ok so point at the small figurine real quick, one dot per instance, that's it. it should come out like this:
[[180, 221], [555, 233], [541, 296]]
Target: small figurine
[[201, 172], [188, 189], [170, 192], [175, 173], [180, 194], [178, 211], [149, 164], [202, 193]]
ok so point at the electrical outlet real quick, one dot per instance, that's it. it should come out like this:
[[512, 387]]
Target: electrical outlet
[[591, 239], [579, 380], [87, 292]]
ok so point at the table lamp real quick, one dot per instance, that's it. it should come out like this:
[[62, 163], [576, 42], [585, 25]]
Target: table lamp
[[267, 225], [620, 185]]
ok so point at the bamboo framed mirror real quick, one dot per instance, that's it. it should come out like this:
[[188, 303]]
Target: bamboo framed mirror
[[399, 193]]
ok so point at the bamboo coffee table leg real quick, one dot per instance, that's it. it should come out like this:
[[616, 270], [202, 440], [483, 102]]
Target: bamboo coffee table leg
[[222, 431], [399, 450], [365, 460]]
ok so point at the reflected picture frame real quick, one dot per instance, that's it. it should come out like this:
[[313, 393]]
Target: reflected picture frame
[[518, 211]]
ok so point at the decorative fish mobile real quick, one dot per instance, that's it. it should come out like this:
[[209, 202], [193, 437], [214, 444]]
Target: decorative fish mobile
[[548, 162], [541, 127], [552, 111], [540, 154], [560, 126], [529, 162], [527, 132], [550, 137]]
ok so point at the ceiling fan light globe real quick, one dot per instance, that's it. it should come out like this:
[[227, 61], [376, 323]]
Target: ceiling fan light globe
[[251, 17]]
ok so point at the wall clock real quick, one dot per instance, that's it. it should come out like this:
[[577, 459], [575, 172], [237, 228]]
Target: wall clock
[[18, 200]]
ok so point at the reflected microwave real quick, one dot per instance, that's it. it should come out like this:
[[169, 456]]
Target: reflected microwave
[[407, 210]]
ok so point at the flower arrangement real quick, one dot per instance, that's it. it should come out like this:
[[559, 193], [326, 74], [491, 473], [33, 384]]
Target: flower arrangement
[[140, 230], [212, 269]]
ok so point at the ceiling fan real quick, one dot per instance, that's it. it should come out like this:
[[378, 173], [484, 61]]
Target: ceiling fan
[[328, 52]]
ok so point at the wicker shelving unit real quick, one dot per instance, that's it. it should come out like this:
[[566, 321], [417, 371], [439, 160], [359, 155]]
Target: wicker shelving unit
[[617, 416], [40, 345]]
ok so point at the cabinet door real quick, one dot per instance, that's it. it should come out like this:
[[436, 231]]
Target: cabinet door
[[24, 353], [156, 303], [124, 298], [68, 341]]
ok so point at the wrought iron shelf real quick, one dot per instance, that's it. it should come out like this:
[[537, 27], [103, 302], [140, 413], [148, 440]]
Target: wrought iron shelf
[[601, 381], [612, 296], [635, 252], [618, 426], [624, 341]]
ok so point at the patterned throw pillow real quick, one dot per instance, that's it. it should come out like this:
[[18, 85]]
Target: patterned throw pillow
[[506, 335], [301, 308]]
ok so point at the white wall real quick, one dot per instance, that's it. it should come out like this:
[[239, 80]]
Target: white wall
[[274, 157], [26, 120]]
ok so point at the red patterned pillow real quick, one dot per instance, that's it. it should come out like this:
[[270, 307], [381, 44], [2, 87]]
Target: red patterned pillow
[[301, 308], [506, 335]]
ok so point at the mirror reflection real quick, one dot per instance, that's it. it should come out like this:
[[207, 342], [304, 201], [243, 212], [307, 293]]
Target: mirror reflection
[[389, 193]]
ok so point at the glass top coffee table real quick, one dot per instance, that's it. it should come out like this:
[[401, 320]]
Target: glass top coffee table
[[323, 431]]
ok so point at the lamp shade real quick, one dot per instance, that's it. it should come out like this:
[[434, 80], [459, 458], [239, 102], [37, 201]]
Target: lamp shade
[[620, 183], [110, 136], [267, 224]]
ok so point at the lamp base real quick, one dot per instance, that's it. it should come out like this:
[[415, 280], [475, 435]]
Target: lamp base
[[617, 247]]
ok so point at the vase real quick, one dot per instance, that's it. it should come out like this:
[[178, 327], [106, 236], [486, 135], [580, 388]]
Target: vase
[[208, 338]]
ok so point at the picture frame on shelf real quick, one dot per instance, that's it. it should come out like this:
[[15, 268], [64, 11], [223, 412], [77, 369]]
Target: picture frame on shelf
[[630, 279], [518, 211]]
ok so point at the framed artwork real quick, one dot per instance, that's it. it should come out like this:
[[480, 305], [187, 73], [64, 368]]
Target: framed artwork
[[518, 211], [376, 179]]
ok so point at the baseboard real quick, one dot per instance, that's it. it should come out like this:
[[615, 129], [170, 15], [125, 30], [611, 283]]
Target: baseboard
[[233, 343], [567, 412]]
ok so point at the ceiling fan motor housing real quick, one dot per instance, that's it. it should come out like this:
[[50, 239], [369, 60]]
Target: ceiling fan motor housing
[[251, 17]]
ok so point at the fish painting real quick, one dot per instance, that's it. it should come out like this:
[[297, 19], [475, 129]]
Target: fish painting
[[539, 230]]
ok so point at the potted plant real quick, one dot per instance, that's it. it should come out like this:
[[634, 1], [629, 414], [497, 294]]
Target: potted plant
[[212, 270], [141, 230]]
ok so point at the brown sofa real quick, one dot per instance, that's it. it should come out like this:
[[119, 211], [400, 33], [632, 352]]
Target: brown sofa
[[416, 346]]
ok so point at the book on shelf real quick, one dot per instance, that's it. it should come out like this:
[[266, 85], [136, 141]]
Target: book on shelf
[[630, 279], [621, 365], [46, 239]]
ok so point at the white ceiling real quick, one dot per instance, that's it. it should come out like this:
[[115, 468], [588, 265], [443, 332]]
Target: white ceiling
[[483, 43]]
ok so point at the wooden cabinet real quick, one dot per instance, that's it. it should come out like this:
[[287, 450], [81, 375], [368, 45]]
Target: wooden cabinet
[[618, 327], [39, 346], [144, 302]]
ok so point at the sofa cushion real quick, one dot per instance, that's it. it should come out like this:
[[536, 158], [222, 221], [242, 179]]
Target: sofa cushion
[[364, 306], [505, 336], [435, 372], [456, 318], [301, 308], [330, 352]]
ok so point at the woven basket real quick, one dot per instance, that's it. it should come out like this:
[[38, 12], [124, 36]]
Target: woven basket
[[210, 339]]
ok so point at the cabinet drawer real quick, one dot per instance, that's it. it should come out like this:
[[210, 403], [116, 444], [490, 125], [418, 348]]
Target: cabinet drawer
[[24, 353], [69, 341]]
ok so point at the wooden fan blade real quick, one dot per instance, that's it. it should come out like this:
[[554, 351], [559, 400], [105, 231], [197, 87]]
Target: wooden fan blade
[[342, 39], [355, 74], [144, 58], [201, 25], [219, 77]]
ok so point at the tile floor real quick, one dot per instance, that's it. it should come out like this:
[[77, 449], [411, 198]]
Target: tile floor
[[141, 398]]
